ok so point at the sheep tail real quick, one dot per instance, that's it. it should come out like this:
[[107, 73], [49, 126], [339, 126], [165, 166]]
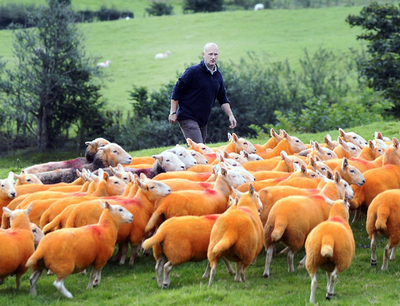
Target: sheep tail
[[53, 224], [153, 220], [382, 217], [35, 257], [224, 244], [279, 228], [327, 245], [156, 239]]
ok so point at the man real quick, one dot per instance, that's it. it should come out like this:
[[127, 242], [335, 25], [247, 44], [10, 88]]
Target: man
[[194, 95]]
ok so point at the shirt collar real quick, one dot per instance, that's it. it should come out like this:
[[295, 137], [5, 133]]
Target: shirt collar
[[213, 71]]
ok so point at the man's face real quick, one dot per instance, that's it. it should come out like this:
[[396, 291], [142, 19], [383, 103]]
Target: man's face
[[211, 56]]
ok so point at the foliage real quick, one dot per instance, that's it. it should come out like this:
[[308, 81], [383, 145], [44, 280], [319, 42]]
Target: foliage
[[382, 32], [16, 14], [320, 115], [52, 86], [202, 6], [159, 8]]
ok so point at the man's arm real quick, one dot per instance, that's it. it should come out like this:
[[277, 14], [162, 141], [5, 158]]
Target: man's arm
[[172, 111], [226, 107]]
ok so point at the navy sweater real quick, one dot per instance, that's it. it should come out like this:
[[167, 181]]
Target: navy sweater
[[196, 91]]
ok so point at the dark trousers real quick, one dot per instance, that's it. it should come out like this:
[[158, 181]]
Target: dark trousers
[[191, 129]]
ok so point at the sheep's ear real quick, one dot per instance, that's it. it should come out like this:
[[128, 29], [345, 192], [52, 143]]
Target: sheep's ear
[[7, 212], [329, 175], [223, 171], [395, 142], [232, 201], [11, 176], [345, 163], [237, 193], [143, 176], [216, 169], [337, 177], [283, 155], [234, 137], [297, 167], [102, 205], [28, 209], [303, 168], [328, 200], [251, 189]]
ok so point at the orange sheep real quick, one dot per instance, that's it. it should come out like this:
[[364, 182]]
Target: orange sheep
[[379, 179], [383, 218], [270, 144], [289, 144], [371, 152], [17, 245], [330, 246], [179, 240], [73, 250], [26, 178], [346, 149], [237, 235], [195, 202], [292, 218]]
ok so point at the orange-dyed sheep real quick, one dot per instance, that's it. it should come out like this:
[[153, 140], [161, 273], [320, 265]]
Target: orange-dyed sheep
[[63, 253], [330, 246], [16, 245], [237, 235]]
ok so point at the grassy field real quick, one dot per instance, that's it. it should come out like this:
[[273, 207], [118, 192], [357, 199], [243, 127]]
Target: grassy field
[[277, 34], [127, 285]]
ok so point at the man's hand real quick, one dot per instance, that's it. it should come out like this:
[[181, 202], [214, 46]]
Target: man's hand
[[172, 118], [232, 120]]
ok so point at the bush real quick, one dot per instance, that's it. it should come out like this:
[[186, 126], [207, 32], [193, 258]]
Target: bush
[[159, 8], [16, 14], [201, 6]]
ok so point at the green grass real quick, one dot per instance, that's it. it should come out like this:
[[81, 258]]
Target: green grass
[[126, 285], [277, 34]]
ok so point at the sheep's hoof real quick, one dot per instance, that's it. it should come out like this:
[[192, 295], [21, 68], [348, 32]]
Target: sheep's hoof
[[328, 296], [165, 286], [265, 275], [373, 263]]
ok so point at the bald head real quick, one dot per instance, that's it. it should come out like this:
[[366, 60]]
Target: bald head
[[210, 55]]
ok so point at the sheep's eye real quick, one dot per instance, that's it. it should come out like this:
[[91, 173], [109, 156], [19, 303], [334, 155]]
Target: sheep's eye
[[34, 230], [168, 160], [115, 152], [297, 140], [120, 209], [152, 187], [323, 169], [330, 154], [354, 137], [116, 183], [296, 162], [203, 148], [352, 171], [181, 154], [29, 180], [354, 149], [2, 185]]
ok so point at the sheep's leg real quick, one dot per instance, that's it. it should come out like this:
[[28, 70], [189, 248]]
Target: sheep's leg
[[213, 272], [167, 277], [385, 257], [356, 215], [159, 269], [97, 278], [33, 279], [91, 278], [393, 254], [302, 262], [243, 273], [133, 254], [49, 272], [331, 279], [18, 280], [373, 250], [285, 250], [268, 259], [207, 271], [290, 256], [238, 269], [313, 287], [228, 266], [124, 252], [59, 284], [2, 281]]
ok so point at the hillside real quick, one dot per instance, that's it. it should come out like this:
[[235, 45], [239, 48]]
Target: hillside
[[131, 45]]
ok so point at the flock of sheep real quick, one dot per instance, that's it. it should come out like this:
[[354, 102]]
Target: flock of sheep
[[201, 203]]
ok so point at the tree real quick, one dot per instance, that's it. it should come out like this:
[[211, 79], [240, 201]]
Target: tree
[[53, 81], [382, 69]]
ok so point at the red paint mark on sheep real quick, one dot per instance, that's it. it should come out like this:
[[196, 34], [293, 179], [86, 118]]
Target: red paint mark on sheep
[[95, 229], [205, 185], [361, 161], [211, 217], [210, 192], [337, 219]]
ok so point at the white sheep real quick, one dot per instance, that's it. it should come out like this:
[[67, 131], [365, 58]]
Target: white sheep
[[162, 55], [259, 6], [104, 64]]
